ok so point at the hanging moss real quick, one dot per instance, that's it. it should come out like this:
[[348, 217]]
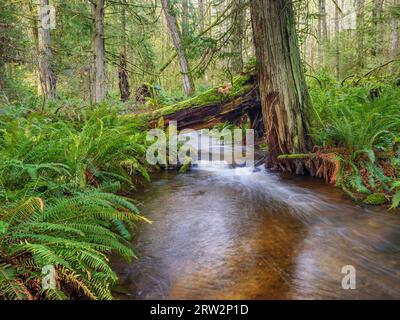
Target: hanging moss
[[376, 199]]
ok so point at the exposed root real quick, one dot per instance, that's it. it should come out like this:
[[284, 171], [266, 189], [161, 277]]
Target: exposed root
[[325, 162], [336, 166]]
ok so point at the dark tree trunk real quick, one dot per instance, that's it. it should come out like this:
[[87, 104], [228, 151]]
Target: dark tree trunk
[[122, 72], [284, 96], [47, 76], [123, 77]]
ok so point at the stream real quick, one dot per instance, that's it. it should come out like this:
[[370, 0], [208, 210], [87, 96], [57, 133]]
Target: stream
[[246, 233]]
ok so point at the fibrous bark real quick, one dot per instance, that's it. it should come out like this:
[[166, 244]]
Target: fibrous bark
[[284, 96]]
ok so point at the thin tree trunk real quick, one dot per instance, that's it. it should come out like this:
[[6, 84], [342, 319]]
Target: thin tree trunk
[[188, 85], [395, 40], [322, 31], [47, 76], [35, 39], [337, 42], [201, 14], [376, 20], [324, 22], [185, 18], [99, 64], [284, 96], [360, 33], [306, 25], [122, 72], [238, 24]]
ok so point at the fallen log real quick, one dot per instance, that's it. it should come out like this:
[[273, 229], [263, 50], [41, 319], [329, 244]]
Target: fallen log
[[211, 107]]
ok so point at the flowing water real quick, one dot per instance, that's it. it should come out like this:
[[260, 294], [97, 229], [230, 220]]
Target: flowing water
[[246, 233]]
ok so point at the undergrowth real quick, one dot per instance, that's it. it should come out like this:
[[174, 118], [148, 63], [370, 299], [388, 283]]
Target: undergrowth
[[357, 130], [59, 172]]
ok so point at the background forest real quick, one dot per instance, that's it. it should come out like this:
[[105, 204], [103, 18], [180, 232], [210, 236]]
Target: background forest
[[69, 160], [341, 38]]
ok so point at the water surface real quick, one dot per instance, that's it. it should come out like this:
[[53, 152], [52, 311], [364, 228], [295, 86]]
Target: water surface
[[245, 233]]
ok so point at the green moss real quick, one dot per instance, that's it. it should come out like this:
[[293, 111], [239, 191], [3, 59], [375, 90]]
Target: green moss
[[376, 199], [263, 146], [240, 86], [294, 156]]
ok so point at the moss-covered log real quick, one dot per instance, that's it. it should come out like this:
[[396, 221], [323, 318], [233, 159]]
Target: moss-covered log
[[211, 107]]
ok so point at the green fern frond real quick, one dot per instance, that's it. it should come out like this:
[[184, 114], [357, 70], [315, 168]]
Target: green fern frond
[[11, 286]]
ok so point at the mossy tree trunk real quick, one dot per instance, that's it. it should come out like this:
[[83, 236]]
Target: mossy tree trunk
[[284, 96]]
